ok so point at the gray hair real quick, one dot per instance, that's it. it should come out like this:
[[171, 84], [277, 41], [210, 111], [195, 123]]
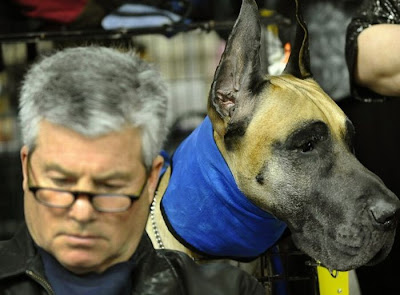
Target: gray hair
[[93, 91]]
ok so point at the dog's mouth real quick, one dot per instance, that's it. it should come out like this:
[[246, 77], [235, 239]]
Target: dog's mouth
[[347, 257], [377, 258], [347, 250], [353, 255], [344, 252], [380, 256]]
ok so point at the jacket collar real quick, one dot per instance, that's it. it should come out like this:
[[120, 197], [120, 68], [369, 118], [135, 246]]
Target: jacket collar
[[17, 253]]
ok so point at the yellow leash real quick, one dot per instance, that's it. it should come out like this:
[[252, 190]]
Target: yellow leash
[[332, 282]]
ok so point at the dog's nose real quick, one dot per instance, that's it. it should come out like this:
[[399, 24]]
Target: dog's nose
[[385, 213]]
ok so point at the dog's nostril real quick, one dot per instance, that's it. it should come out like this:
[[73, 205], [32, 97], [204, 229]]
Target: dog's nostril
[[384, 219], [385, 213]]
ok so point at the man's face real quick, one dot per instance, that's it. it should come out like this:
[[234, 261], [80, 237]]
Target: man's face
[[81, 238]]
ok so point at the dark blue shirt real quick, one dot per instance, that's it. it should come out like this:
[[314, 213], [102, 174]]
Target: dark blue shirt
[[114, 281]]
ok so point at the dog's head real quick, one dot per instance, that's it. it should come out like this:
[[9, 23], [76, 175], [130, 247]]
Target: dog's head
[[289, 147]]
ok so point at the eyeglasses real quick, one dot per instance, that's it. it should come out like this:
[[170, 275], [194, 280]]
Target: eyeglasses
[[58, 198]]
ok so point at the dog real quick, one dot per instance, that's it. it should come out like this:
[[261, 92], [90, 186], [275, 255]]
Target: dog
[[273, 152]]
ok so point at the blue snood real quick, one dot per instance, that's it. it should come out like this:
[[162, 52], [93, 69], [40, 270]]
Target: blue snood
[[205, 209]]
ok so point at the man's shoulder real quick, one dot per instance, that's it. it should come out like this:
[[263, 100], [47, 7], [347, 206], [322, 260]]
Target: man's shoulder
[[8, 247], [13, 251], [10, 258], [222, 277]]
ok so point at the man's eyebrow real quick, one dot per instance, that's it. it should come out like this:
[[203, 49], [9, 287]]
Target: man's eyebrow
[[121, 175], [113, 175], [58, 168]]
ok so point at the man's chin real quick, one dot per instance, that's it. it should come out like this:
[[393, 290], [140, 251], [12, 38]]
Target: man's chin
[[80, 261]]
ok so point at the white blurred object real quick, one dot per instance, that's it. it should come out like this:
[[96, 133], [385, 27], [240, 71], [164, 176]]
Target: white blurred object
[[131, 16]]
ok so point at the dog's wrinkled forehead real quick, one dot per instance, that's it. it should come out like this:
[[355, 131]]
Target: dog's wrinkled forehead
[[287, 104], [291, 100]]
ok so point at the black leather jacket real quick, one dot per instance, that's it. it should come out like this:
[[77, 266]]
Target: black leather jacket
[[370, 13], [157, 272]]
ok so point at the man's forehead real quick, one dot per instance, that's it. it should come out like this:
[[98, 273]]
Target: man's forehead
[[52, 133], [57, 145]]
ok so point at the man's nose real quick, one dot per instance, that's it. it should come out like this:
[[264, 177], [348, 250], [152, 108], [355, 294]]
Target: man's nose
[[82, 210]]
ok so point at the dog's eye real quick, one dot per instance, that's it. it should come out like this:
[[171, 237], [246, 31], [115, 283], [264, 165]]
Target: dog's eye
[[311, 143], [307, 147]]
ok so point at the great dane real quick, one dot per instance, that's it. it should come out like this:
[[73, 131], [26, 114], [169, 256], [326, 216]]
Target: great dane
[[274, 151]]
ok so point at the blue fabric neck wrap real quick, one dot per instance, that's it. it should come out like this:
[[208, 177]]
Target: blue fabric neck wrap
[[205, 209]]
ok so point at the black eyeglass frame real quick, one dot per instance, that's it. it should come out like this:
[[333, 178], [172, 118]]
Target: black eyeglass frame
[[90, 195]]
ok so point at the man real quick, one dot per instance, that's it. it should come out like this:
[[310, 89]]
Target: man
[[372, 46], [93, 122]]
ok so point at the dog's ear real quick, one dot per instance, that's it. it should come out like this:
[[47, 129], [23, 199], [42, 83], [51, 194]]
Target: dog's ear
[[239, 68], [299, 60]]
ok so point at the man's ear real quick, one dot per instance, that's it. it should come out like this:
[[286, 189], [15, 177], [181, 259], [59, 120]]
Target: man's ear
[[24, 153], [156, 167]]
